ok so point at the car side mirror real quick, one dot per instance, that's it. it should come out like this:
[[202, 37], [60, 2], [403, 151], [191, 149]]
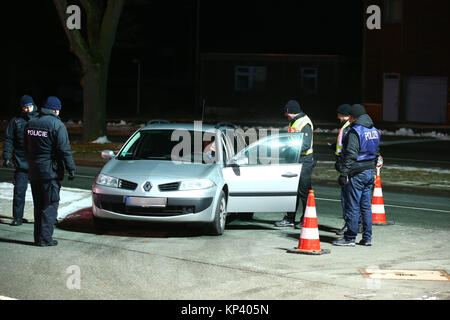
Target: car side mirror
[[107, 154]]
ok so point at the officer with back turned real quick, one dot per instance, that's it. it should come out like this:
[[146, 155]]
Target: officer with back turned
[[48, 152]]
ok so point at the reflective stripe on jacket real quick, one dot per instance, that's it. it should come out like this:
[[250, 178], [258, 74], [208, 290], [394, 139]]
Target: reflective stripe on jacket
[[339, 143], [298, 126]]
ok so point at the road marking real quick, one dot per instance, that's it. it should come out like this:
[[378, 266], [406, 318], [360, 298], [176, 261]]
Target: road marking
[[395, 206], [418, 160], [6, 298]]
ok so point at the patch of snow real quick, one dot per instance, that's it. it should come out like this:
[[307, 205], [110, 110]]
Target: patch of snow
[[71, 199], [410, 133], [101, 140]]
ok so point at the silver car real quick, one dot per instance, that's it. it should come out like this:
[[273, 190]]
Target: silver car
[[196, 173]]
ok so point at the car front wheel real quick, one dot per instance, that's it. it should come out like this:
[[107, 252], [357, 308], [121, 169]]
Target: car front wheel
[[217, 227]]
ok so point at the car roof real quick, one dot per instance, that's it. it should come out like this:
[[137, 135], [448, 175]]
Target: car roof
[[183, 126]]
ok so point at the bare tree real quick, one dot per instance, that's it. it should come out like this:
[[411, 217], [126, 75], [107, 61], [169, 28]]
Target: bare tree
[[93, 48]]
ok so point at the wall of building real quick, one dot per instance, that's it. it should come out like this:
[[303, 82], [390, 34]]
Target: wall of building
[[337, 82]]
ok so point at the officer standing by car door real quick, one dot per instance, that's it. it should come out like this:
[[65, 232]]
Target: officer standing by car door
[[360, 155], [48, 152], [301, 123], [14, 144]]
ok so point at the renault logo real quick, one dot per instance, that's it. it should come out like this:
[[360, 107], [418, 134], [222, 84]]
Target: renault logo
[[147, 186]]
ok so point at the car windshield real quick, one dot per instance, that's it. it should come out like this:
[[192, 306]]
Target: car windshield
[[168, 144]]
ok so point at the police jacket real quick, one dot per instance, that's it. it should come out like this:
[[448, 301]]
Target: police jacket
[[47, 147], [307, 130], [14, 141], [361, 147]]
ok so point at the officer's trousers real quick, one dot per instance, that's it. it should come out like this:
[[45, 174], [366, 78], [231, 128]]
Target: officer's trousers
[[304, 186], [357, 196], [46, 202], [20, 189]]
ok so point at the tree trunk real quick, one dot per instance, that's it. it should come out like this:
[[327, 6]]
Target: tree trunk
[[94, 54], [94, 84]]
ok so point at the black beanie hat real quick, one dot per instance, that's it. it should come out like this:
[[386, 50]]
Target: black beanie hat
[[357, 110], [26, 100], [344, 109], [293, 107]]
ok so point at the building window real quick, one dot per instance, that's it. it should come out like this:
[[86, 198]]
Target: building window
[[309, 80], [393, 11], [249, 78]]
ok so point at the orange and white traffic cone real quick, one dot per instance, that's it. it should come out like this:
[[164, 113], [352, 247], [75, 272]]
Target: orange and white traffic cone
[[309, 242], [378, 212]]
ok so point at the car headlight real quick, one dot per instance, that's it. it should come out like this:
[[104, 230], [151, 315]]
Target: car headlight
[[196, 184], [108, 181]]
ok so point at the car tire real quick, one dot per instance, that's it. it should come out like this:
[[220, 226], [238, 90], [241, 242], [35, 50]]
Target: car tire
[[217, 226]]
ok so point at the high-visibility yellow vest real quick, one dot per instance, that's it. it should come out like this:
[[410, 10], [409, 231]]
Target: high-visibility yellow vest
[[298, 126], [339, 145]]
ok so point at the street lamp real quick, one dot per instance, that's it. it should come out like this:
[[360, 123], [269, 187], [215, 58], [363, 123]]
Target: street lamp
[[138, 89]]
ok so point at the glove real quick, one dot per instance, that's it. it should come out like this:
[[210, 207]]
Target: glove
[[342, 181], [7, 163], [71, 175]]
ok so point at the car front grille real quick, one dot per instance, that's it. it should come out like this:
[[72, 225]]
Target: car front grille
[[169, 186], [175, 206], [127, 185]]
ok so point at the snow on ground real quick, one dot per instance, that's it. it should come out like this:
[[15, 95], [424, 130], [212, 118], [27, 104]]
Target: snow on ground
[[72, 199], [402, 132], [410, 133], [101, 140], [121, 123], [399, 167]]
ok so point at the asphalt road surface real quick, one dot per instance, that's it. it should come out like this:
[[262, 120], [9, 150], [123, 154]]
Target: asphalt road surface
[[250, 261]]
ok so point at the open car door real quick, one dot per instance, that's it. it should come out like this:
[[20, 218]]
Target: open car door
[[264, 176]]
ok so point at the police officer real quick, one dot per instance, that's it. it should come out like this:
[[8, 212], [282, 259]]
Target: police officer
[[300, 122], [343, 116], [48, 152], [15, 140], [360, 154]]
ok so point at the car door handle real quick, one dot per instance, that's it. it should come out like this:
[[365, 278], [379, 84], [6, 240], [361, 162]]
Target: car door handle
[[289, 175]]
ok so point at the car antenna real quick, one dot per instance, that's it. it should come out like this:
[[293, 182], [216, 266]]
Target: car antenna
[[203, 110]]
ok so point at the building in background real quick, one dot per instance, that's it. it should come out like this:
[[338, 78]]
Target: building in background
[[255, 86], [405, 72]]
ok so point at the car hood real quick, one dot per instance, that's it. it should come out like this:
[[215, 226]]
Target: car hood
[[156, 168]]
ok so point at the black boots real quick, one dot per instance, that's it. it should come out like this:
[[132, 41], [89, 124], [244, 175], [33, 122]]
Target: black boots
[[16, 222]]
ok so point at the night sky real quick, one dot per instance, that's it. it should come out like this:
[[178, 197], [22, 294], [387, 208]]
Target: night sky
[[161, 34]]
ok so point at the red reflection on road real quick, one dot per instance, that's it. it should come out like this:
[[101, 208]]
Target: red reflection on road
[[83, 221]]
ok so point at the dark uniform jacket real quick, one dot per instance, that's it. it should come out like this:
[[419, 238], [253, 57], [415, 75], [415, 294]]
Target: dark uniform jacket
[[47, 147], [14, 141], [349, 165]]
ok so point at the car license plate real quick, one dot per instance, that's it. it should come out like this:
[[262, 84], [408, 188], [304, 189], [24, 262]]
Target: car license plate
[[145, 202]]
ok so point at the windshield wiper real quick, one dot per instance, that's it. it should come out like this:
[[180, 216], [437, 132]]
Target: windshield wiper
[[129, 158], [157, 158]]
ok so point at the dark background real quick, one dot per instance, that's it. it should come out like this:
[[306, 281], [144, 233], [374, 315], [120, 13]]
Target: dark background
[[162, 35]]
